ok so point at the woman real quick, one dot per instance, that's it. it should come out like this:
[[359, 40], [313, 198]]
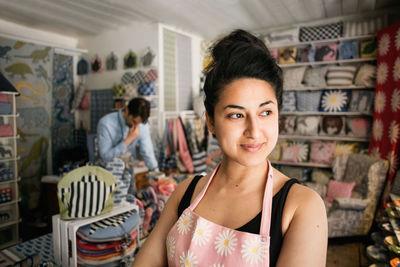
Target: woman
[[226, 218]]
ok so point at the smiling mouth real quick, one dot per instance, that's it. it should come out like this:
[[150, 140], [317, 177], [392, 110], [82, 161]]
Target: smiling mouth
[[252, 147]]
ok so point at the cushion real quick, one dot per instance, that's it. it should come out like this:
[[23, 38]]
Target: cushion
[[337, 167], [368, 48], [308, 100], [358, 126], [315, 77], [319, 188], [322, 152], [6, 108], [304, 151], [6, 151], [293, 77], [146, 88], [282, 37], [287, 124], [4, 98], [287, 55], [339, 189], [300, 173], [340, 75], [361, 100], [345, 148], [288, 101], [334, 100], [349, 49], [320, 176], [332, 125], [326, 52], [307, 125], [305, 54], [321, 32], [274, 53], [366, 75], [290, 153]]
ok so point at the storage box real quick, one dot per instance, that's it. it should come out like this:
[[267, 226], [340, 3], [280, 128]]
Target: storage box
[[64, 234]]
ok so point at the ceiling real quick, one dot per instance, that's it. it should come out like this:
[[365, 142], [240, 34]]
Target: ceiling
[[208, 18]]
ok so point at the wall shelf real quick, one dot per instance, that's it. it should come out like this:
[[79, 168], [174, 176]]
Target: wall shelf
[[349, 87], [328, 138], [340, 61], [317, 113]]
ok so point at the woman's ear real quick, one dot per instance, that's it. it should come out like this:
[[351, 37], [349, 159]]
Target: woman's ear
[[210, 123]]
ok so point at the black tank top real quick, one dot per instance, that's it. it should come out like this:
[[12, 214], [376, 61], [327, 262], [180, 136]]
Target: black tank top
[[253, 226]]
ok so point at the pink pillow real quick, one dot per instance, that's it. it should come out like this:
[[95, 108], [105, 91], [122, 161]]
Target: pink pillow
[[339, 189], [4, 98], [289, 153], [322, 152]]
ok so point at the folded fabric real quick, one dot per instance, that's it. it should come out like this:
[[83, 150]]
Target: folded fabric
[[117, 168], [5, 108], [321, 32], [113, 256], [340, 75], [6, 130], [290, 35], [90, 246]]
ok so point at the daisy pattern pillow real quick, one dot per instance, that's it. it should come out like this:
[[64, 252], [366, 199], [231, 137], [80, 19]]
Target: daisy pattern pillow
[[366, 75], [335, 100], [303, 152]]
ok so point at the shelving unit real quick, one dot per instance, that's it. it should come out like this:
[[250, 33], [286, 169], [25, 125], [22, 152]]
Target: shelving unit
[[342, 138], [9, 178]]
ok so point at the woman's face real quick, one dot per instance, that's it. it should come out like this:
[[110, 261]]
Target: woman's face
[[246, 121]]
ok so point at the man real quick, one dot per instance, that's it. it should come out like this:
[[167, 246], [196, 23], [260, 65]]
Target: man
[[122, 131]]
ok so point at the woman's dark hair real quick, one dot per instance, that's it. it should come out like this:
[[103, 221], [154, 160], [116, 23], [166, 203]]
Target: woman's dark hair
[[139, 107], [239, 55]]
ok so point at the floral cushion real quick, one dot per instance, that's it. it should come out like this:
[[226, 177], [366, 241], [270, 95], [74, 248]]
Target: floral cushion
[[366, 75], [293, 77], [332, 125], [345, 148], [308, 100], [304, 151], [326, 52], [339, 189], [287, 124], [288, 101], [307, 125], [358, 127], [322, 152], [287, 55], [315, 77], [361, 100], [335, 100], [290, 153], [340, 75]]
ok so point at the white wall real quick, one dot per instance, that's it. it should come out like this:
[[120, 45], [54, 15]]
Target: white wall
[[135, 37]]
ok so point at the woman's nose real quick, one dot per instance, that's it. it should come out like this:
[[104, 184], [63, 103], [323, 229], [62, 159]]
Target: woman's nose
[[252, 128]]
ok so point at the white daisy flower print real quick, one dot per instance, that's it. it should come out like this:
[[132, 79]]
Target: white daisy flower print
[[393, 161], [395, 100], [394, 132], [184, 223], [333, 101], [375, 152], [254, 251], [225, 242], [170, 247], [397, 39], [384, 44], [188, 259], [302, 154], [396, 70], [380, 101], [377, 130], [201, 234], [382, 72]]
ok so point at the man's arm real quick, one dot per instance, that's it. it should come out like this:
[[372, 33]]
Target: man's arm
[[146, 147], [106, 149]]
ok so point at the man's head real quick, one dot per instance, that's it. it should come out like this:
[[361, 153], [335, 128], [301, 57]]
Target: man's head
[[137, 111]]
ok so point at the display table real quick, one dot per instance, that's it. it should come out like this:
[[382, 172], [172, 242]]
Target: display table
[[41, 246]]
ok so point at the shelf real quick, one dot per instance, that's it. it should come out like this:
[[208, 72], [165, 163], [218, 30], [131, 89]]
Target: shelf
[[10, 223], [317, 113], [11, 181], [302, 164], [9, 244], [9, 137], [327, 62], [341, 39], [10, 159], [350, 87], [9, 115], [329, 138], [12, 202]]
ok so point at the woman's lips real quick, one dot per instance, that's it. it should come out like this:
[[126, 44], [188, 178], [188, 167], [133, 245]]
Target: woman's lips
[[252, 147]]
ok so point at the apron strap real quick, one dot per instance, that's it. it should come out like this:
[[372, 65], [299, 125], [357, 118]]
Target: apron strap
[[267, 204], [200, 196]]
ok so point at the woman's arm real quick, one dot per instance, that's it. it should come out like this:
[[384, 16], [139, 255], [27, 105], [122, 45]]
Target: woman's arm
[[153, 252], [306, 238]]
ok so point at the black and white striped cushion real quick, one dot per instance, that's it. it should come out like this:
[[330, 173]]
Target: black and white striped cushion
[[116, 220]]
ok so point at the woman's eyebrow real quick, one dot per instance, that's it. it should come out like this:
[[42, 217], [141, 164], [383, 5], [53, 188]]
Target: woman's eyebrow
[[240, 107]]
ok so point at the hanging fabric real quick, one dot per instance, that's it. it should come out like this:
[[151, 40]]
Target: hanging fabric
[[96, 64], [111, 62], [184, 153]]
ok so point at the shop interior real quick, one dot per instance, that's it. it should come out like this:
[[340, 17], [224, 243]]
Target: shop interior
[[66, 64]]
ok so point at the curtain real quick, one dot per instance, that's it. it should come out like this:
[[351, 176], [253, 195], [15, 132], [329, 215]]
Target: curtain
[[386, 125]]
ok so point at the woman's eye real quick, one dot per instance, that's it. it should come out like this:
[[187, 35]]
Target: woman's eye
[[235, 116], [265, 113]]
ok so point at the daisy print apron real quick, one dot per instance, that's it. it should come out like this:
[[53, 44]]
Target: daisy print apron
[[196, 241]]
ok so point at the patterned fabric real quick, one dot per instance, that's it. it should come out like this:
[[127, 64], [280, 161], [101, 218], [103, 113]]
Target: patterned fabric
[[146, 88], [366, 75], [361, 101], [290, 153], [308, 101], [151, 76], [340, 75], [307, 125], [127, 77], [358, 126], [304, 150], [288, 101], [386, 125], [306, 54], [326, 52], [83, 67], [287, 55], [349, 50], [116, 221], [6, 173], [6, 151], [345, 148], [101, 104], [335, 100], [368, 48], [322, 152], [117, 168], [332, 125], [320, 176], [327, 31], [138, 77], [199, 161], [5, 195]]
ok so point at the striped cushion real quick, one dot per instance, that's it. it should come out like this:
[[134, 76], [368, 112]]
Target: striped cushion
[[340, 75]]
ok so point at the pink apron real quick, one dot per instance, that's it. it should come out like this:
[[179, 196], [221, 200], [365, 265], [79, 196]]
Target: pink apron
[[195, 241]]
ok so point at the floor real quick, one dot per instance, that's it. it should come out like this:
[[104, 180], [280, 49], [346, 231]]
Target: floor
[[347, 254]]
